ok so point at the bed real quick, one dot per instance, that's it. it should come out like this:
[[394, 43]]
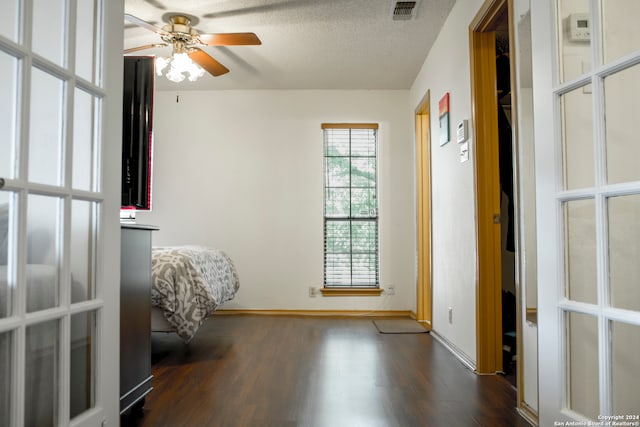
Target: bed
[[188, 284]]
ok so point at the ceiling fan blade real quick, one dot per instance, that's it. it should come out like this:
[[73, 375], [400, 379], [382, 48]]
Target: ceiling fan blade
[[204, 60], [144, 24], [156, 4], [230, 39], [147, 46]]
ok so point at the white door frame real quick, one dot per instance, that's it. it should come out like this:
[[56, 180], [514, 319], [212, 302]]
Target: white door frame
[[554, 303], [543, 61], [105, 85], [108, 354]]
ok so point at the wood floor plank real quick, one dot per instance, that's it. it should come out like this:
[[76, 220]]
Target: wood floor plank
[[260, 371]]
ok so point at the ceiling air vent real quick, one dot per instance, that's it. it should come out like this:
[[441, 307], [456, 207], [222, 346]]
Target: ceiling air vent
[[404, 10]]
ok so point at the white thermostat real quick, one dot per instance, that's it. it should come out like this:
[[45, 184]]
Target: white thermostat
[[461, 131], [579, 27]]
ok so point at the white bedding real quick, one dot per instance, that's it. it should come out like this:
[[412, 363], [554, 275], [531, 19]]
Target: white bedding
[[189, 283]]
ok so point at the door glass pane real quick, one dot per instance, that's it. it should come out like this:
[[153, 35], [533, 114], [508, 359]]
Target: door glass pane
[[83, 140], [625, 344], [42, 256], [82, 250], [85, 39], [574, 38], [83, 327], [41, 374], [622, 103], [6, 377], [9, 19], [48, 29], [582, 358], [580, 250], [624, 251], [45, 129], [6, 291], [620, 22], [577, 139], [9, 95]]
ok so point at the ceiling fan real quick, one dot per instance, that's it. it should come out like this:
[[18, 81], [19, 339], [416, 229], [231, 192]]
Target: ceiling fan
[[186, 43]]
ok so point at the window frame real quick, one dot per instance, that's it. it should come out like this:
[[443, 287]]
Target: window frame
[[362, 287]]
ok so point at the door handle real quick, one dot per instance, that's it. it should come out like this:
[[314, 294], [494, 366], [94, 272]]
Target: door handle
[[496, 218], [1, 183]]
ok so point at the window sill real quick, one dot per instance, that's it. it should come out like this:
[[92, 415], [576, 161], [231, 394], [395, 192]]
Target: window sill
[[351, 292]]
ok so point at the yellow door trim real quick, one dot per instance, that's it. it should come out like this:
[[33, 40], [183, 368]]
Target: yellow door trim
[[485, 125], [423, 202]]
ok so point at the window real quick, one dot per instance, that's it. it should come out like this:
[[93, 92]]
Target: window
[[350, 206]]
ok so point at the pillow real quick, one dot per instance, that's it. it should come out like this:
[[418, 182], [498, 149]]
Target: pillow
[[4, 232]]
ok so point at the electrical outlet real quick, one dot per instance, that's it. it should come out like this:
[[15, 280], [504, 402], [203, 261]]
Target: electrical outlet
[[312, 292], [450, 314], [391, 290]]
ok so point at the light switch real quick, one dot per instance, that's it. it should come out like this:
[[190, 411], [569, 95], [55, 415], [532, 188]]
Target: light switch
[[464, 152]]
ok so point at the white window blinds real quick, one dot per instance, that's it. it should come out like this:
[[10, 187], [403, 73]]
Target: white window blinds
[[350, 205]]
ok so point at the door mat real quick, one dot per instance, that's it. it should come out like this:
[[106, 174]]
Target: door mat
[[399, 326]]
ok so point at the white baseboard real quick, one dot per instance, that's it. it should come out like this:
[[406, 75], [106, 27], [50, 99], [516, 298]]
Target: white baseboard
[[317, 313], [461, 355]]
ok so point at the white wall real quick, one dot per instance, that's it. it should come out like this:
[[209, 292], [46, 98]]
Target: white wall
[[242, 171], [447, 69]]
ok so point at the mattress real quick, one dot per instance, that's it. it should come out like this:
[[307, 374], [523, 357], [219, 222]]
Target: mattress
[[189, 283]]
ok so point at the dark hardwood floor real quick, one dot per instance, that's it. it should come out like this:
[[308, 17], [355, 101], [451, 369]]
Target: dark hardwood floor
[[243, 370]]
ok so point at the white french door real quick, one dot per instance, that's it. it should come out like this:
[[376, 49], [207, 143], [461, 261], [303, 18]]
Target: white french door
[[60, 133], [586, 56]]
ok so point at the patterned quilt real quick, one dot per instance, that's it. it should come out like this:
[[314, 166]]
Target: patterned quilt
[[189, 283]]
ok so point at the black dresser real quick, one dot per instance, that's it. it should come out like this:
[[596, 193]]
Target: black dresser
[[135, 315]]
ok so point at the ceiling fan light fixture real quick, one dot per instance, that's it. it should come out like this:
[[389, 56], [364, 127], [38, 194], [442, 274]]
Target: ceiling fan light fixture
[[195, 72], [174, 75], [161, 64], [180, 62], [188, 59], [180, 67]]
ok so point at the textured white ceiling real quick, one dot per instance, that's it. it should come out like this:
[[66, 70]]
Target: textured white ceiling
[[306, 44]]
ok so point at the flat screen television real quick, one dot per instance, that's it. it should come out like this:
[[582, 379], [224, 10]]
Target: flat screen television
[[137, 132]]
